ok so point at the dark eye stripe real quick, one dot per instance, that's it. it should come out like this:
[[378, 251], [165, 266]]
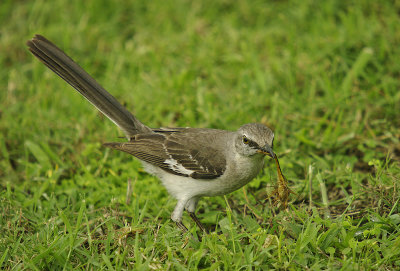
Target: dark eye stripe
[[253, 144]]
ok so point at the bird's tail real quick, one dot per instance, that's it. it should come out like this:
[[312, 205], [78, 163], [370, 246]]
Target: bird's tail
[[73, 74]]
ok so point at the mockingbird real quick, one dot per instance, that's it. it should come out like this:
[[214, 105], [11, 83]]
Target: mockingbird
[[190, 162]]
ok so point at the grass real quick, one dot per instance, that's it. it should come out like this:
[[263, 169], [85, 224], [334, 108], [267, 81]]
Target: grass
[[323, 75]]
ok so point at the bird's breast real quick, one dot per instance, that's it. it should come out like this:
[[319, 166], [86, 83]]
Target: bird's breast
[[240, 172]]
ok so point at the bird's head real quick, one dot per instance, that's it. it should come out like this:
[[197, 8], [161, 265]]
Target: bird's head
[[254, 139]]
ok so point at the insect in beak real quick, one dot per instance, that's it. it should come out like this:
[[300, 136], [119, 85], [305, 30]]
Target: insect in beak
[[267, 150]]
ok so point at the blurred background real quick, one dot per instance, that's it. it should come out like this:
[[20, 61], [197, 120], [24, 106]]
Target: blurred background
[[323, 75]]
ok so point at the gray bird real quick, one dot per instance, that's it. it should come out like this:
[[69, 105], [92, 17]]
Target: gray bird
[[190, 162]]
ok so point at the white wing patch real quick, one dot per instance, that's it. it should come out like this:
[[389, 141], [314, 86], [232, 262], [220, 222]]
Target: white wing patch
[[177, 167]]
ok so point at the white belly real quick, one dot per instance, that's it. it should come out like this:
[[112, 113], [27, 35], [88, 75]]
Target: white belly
[[236, 175]]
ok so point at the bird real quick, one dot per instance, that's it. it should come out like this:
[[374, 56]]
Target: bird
[[191, 163]]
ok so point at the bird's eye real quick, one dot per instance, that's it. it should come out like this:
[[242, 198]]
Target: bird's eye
[[245, 140]]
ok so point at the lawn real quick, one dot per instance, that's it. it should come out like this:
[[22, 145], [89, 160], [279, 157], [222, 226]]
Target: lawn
[[324, 75]]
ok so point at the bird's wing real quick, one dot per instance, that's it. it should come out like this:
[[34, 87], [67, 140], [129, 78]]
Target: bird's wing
[[182, 152]]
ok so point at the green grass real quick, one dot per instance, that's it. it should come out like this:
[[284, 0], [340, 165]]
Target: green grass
[[324, 75]]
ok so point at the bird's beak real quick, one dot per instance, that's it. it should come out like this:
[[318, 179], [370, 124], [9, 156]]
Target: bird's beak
[[267, 150]]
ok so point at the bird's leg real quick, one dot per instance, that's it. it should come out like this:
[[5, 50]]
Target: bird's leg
[[181, 226], [191, 208], [177, 214], [198, 223]]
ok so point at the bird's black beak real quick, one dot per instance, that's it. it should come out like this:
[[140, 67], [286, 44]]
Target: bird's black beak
[[267, 150]]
